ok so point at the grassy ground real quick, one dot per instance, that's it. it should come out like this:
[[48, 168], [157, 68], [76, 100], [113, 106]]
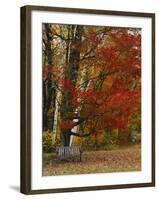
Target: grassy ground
[[119, 160]]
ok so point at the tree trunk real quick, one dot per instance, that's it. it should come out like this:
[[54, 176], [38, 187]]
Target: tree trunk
[[72, 63], [65, 138], [48, 89], [83, 85], [57, 116], [75, 53]]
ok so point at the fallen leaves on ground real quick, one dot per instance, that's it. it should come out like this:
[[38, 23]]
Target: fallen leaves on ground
[[119, 160]]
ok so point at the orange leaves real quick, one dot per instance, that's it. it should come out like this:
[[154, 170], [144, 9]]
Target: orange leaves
[[107, 86], [123, 52], [91, 35], [54, 70], [125, 38], [67, 85], [118, 97], [47, 69], [109, 53], [67, 125], [97, 133]]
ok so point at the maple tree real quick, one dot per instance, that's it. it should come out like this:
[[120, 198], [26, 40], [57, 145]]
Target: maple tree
[[95, 78]]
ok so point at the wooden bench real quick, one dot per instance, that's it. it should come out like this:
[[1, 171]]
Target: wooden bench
[[65, 153]]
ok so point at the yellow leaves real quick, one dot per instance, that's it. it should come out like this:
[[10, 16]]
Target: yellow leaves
[[55, 29], [76, 141], [47, 141]]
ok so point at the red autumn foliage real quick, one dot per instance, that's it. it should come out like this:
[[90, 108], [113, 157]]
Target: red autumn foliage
[[119, 63], [67, 125]]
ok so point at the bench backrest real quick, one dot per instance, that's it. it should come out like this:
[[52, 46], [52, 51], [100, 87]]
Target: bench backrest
[[68, 151]]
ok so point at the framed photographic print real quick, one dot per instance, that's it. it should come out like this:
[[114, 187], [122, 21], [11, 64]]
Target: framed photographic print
[[87, 99]]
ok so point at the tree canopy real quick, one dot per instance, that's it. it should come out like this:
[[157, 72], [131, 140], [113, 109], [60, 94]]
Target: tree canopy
[[91, 79]]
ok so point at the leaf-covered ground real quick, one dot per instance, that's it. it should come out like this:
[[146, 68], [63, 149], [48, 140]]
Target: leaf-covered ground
[[119, 160]]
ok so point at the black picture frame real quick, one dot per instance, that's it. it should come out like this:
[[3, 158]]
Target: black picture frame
[[25, 182]]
